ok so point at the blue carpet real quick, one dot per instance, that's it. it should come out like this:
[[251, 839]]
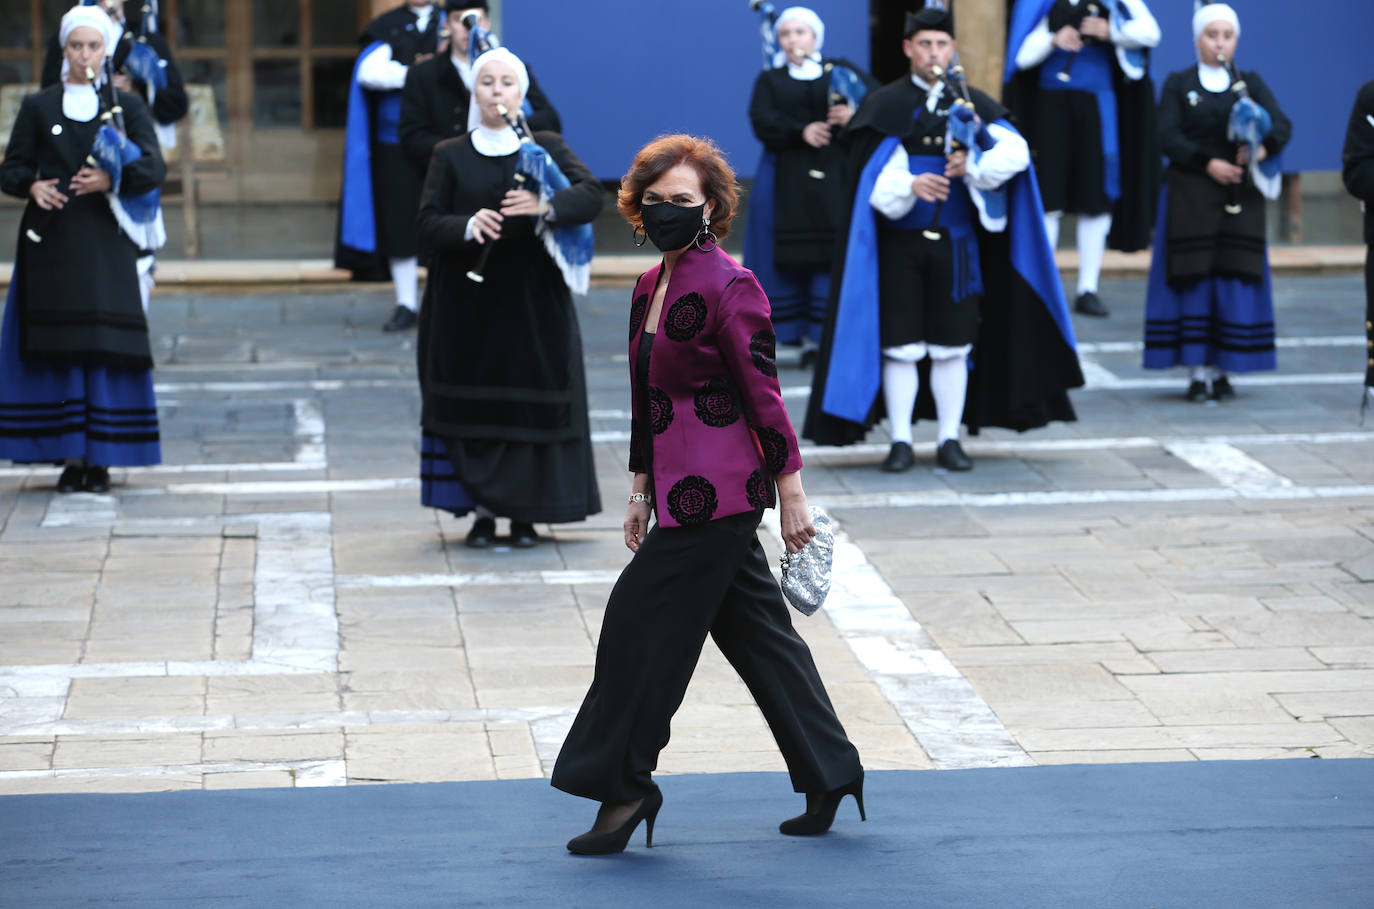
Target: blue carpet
[[1289, 833]]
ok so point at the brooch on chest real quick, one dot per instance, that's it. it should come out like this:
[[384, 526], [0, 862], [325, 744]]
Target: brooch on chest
[[1193, 98]]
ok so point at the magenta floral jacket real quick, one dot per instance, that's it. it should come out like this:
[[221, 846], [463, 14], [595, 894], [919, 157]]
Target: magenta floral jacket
[[714, 433]]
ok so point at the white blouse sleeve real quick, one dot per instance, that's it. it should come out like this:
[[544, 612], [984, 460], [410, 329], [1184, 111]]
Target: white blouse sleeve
[[1006, 159], [892, 196], [379, 72], [1037, 46], [1140, 31]]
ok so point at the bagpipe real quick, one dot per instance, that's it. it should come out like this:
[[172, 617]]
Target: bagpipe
[[570, 245], [143, 62], [1248, 126], [139, 215], [963, 131], [481, 40], [1090, 9], [1133, 61]]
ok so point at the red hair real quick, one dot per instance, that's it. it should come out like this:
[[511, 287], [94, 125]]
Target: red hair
[[667, 152]]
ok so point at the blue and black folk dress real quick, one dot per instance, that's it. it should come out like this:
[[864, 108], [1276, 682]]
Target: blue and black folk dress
[[1210, 301], [75, 360]]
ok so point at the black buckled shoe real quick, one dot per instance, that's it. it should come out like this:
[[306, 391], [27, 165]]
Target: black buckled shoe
[[73, 478], [1197, 392], [1089, 304], [97, 480], [950, 455], [899, 458], [401, 319], [522, 536], [1222, 390], [483, 533]]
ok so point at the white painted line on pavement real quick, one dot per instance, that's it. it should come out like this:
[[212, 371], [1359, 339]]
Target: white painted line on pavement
[[1228, 464], [489, 579], [305, 774], [309, 434], [1100, 347], [952, 723], [951, 498]]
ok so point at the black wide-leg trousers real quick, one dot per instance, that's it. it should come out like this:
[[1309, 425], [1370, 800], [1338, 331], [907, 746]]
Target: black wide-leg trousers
[[683, 583]]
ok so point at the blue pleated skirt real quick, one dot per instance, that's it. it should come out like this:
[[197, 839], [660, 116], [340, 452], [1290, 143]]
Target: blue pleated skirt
[[439, 486], [1223, 322], [54, 412], [798, 299]]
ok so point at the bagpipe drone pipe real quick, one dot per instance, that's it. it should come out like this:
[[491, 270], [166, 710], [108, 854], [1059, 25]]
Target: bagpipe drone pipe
[[139, 215], [964, 130], [571, 245], [1248, 126]]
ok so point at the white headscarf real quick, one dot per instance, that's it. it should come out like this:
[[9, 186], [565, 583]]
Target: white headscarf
[[522, 75], [88, 17], [808, 18], [1214, 12]]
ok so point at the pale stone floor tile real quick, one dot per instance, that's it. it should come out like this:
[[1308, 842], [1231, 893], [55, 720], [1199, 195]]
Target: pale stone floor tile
[[1359, 657], [412, 699], [1322, 704], [533, 696], [1211, 708], [1124, 756], [1279, 682], [229, 686], [250, 779], [1358, 729], [26, 756], [1252, 754], [400, 658], [127, 750], [84, 708], [445, 770], [1060, 683], [225, 746], [1236, 659], [1070, 715], [271, 703], [138, 687], [162, 782], [673, 761]]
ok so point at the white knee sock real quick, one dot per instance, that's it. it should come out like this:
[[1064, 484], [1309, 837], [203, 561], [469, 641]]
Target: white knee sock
[[1092, 243], [405, 274], [1052, 219], [949, 385], [145, 280], [900, 384]]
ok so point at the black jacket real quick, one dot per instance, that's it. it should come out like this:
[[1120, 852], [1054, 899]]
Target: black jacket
[[434, 107], [1357, 158], [171, 103]]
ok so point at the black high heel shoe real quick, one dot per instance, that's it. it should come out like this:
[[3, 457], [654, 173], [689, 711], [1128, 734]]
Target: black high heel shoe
[[815, 824], [612, 841]]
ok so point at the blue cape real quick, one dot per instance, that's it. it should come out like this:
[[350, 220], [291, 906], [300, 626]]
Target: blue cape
[[854, 378], [357, 215]]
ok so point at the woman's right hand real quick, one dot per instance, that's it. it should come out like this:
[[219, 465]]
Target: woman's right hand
[[1224, 172], [816, 135], [636, 524], [486, 225], [47, 195]]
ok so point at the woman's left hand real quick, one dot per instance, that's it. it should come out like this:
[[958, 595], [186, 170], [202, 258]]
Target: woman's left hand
[[90, 180], [797, 527], [522, 202], [839, 115]]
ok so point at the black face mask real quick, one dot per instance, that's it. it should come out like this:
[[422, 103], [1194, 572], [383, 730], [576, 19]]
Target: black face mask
[[671, 227]]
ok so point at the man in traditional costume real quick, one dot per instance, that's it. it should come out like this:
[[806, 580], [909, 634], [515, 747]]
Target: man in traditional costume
[[946, 260], [1358, 162], [381, 191], [1078, 81]]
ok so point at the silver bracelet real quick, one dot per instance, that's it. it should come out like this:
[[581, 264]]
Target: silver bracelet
[[636, 497]]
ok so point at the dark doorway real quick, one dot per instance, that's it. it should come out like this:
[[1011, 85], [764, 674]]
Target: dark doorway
[[886, 18]]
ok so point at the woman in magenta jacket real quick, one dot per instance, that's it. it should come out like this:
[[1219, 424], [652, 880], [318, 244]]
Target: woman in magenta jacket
[[710, 442]]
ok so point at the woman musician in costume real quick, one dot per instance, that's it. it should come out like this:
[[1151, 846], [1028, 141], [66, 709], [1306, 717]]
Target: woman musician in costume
[[798, 108], [500, 360], [1209, 305], [76, 381]]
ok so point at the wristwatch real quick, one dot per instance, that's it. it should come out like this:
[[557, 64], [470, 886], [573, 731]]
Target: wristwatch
[[640, 497]]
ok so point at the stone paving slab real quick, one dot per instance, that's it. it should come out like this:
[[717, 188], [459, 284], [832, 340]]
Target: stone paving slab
[[273, 608]]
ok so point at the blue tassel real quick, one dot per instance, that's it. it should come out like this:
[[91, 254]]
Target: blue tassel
[[108, 152], [146, 66], [847, 84]]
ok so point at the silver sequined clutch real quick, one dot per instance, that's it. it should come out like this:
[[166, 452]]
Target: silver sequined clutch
[[806, 574]]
